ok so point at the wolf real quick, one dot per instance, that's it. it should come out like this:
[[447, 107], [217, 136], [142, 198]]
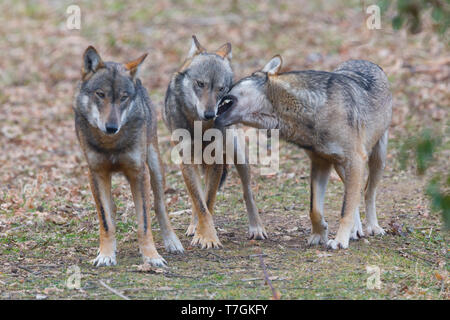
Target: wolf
[[340, 118], [192, 95], [115, 123]]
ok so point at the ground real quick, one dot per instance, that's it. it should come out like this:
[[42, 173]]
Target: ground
[[48, 222]]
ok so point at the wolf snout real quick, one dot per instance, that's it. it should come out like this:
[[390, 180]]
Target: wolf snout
[[226, 103], [209, 115], [111, 128]]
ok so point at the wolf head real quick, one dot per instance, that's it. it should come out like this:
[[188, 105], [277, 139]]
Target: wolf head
[[107, 91], [206, 77], [247, 99]]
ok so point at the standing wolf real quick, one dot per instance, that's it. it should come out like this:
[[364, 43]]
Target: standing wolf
[[340, 118], [192, 96], [116, 127]]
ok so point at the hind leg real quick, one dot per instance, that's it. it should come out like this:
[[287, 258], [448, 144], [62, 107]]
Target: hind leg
[[357, 230], [140, 189], [354, 174], [157, 180], [377, 162], [320, 172]]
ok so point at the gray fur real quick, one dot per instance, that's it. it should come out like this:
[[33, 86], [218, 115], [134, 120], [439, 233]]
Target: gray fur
[[341, 118], [187, 102]]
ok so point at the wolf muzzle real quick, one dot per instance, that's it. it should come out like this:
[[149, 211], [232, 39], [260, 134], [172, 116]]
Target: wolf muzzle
[[225, 104]]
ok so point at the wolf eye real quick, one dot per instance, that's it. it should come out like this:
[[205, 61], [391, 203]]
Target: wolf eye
[[100, 94], [222, 89], [200, 84], [124, 98]]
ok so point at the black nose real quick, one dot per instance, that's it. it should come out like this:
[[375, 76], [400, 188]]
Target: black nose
[[209, 115], [111, 128]]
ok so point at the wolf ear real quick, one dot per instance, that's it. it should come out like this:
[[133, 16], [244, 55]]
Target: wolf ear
[[133, 66], [196, 47], [225, 51], [91, 61], [274, 65]]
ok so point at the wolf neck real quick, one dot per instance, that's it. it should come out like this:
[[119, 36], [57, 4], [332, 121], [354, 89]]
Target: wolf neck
[[294, 110]]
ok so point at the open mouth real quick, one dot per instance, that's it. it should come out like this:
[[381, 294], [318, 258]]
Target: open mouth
[[226, 103]]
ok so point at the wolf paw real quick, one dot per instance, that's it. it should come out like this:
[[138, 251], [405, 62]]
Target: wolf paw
[[173, 244], [375, 230], [319, 234], [191, 230], [257, 233], [357, 231], [157, 261], [335, 244], [104, 260], [207, 241], [318, 238]]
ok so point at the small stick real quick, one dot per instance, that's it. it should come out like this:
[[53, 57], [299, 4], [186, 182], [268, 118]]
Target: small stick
[[275, 292], [113, 290], [28, 270]]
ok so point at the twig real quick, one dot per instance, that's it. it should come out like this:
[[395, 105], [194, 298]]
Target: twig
[[178, 213], [28, 270], [275, 292], [113, 290]]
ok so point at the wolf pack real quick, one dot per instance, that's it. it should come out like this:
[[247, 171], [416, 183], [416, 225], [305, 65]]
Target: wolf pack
[[339, 118]]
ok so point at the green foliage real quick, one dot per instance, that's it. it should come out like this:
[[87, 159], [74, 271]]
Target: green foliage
[[409, 13], [423, 148], [440, 201]]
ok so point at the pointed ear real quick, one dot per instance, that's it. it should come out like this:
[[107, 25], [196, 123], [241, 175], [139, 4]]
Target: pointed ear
[[196, 47], [274, 65], [91, 62], [225, 51], [133, 66]]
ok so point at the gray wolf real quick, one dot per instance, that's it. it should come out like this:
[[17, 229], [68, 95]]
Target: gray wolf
[[340, 118], [192, 96], [115, 123]]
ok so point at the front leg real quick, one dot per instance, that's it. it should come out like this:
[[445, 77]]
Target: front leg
[[320, 172], [255, 228], [140, 188], [213, 175], [205, 233], [100, 182]]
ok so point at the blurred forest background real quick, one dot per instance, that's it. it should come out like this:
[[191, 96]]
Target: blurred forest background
[[47, 217]]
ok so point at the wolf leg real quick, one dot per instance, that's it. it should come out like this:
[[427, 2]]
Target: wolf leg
[[213, 175], [377, 162], [256, 228], [190, 231], [320, 172], [140, 188], [171, 241], [357, 230], [240, 158], [205, 234], [354, 173], [100, 182]]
